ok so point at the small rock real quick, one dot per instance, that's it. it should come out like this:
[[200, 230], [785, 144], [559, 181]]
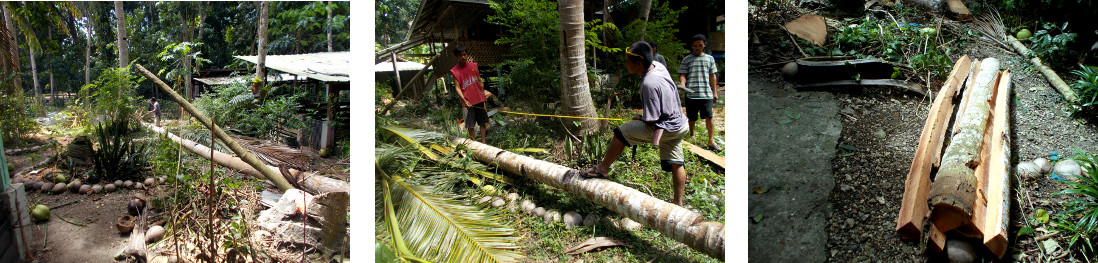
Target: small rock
[[849, 222], [589, 220], [511, 197], [539, 211], [630, 225], [845, 187], [880, 134], [960, 251], [551, 216], [498, 202], [173, 259], [882, 200]]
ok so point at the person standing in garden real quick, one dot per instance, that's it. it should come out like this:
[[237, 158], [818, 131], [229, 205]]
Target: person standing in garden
[[155, 110], [661, 122], [468, 84], [656, 56], [698, 74]]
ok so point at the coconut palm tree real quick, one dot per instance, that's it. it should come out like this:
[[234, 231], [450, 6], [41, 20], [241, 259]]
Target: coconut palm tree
[[575, 92], [123, 44]]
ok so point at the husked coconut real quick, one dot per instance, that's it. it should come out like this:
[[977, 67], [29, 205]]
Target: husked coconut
[[150, 181], [960, 251], [528, 206], [551, 216], [1068, 169], [154, 234], [1045, 165], [109, 187], [539, 211], [589, 220], [46, 186], [128, 183], [511, 197], [498, 202], [571, 219], [1028, 170], [75, 185], [139, 186], [484, 200], [58, 188], [97, 188], [84, 189], [117, 183]]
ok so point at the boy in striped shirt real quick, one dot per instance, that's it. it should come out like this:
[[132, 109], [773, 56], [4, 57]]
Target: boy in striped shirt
[[698, 74]]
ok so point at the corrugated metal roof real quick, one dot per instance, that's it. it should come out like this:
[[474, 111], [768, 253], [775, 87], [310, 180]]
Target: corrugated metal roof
[[324, 66], [212, 81], [387, 66]]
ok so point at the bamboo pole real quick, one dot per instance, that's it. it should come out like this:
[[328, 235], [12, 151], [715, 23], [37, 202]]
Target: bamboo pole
[[245, 155], [954, 189], [1050, 75], [675, 221], [308, 181]]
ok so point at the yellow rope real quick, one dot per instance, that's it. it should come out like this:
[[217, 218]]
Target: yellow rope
[[551, 115]]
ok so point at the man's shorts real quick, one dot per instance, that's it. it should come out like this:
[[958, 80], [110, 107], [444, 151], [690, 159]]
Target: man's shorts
[[695, 107], [637, 132], [476, 115]]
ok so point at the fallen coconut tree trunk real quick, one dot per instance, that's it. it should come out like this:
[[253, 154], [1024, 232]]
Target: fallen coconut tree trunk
[[23, 150], [675, 221], [1050, 75], [244, 154], [308, 181], [954, 189]]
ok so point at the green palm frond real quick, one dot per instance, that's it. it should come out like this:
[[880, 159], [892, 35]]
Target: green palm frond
[[416, 138], [439, 227]]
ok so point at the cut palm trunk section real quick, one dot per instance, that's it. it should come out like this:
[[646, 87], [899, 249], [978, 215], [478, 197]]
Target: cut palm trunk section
[[954, 189], [913, 209], [677, 222], [250, 159], [310, 182], [996, 218]]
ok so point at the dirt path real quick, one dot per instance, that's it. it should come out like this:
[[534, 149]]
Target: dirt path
[[792, 139]]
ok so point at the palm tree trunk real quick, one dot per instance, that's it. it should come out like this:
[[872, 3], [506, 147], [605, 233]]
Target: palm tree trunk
[[123, 45], [261, 37], [646, 8], [329, 26], [13, 50], [87, 52], [34, 73], [187, 85], [675, 221], [575, 92]]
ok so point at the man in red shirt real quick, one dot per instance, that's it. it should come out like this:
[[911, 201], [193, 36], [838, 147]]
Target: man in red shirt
[[467, 82]]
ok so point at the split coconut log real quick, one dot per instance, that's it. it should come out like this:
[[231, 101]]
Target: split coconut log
[[248, 158], [675, 221], [954, 189], [307, 181], [809, 27], [913, 209], [998, 177]]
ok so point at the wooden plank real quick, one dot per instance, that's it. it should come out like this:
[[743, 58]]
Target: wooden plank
[[960, 10], [937, 241], [913, 208], [974, 67], [706, 154], [998, 196]]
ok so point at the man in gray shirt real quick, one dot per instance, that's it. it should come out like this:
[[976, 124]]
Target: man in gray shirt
[[661, 123]]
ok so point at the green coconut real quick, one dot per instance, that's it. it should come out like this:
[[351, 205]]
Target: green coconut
[[488, 189], [60, 178], [927, 31], [1024, 34], [40, 213], [323, 153]]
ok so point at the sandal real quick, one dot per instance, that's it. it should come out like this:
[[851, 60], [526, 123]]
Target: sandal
[[714, 148], [594, 173]]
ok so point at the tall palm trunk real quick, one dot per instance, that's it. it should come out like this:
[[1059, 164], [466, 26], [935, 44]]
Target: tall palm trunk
[[34, 73], [329, 26], [188, 87], [123, 45], [675, 221], [261, 37], [87, 52], [646, 8], [575, 92], [13, 50]]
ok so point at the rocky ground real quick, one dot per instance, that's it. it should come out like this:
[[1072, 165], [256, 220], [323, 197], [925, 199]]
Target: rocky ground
[[880, 131]]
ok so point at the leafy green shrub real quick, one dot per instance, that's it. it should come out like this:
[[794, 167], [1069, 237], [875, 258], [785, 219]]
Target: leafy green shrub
[[234, 106], [1083, 206], [112, 94], [907, 43], [1086, 88], [1051, 42], [16, 120], [118, 156]]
